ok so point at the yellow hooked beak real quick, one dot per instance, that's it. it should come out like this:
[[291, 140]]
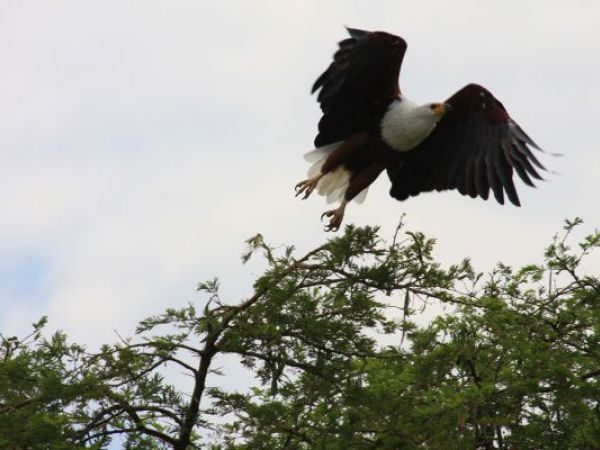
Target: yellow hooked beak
[[442, 108]]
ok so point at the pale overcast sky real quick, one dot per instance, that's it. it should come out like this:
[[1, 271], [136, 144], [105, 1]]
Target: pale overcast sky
[[141, 142]]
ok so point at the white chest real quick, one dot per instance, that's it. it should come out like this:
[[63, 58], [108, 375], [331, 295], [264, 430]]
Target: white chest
[[406, 124]]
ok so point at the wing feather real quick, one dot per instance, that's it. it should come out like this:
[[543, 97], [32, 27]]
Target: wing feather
[[359, 84], [474, 149]]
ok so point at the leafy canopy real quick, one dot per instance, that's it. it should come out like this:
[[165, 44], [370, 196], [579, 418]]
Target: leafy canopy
[[340, 356]]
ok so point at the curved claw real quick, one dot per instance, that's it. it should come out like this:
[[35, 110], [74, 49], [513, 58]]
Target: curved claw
[[306, 187], [336, 219]]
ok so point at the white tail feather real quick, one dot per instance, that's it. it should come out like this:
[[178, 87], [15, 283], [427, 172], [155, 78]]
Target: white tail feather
[[333, 181], [333, 185], [321, 153]]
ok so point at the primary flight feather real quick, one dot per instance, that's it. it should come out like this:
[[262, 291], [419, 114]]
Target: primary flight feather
[[468, 143]]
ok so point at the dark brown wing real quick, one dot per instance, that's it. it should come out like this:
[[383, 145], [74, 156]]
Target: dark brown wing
[[473, 149], [359, 84]]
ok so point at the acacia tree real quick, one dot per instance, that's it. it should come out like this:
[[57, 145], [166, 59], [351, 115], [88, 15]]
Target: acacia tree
[[338, 361]]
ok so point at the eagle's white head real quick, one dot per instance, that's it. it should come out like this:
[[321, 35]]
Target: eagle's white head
[[406, 124]]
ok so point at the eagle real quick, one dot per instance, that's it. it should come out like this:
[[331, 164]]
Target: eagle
[[468, 142]]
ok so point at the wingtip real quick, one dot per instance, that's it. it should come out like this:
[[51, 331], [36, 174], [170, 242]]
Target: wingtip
[[318, 83], [355, 32]]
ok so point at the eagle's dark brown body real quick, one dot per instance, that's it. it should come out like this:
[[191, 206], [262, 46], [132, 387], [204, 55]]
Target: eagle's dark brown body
[[473, 146]]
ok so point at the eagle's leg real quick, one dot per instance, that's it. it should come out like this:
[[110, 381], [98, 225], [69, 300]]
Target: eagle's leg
[[340, 153], [337, 215], [307, 186], [359, 180]]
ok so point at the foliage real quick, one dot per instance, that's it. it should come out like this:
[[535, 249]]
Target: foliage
[[44, 389], [340, 356]]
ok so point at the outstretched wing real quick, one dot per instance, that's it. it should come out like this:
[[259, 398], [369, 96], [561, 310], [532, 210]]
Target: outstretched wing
[[359, 84], [473, 149]]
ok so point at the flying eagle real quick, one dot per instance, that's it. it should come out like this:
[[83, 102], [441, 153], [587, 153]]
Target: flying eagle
[[468, 143]]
